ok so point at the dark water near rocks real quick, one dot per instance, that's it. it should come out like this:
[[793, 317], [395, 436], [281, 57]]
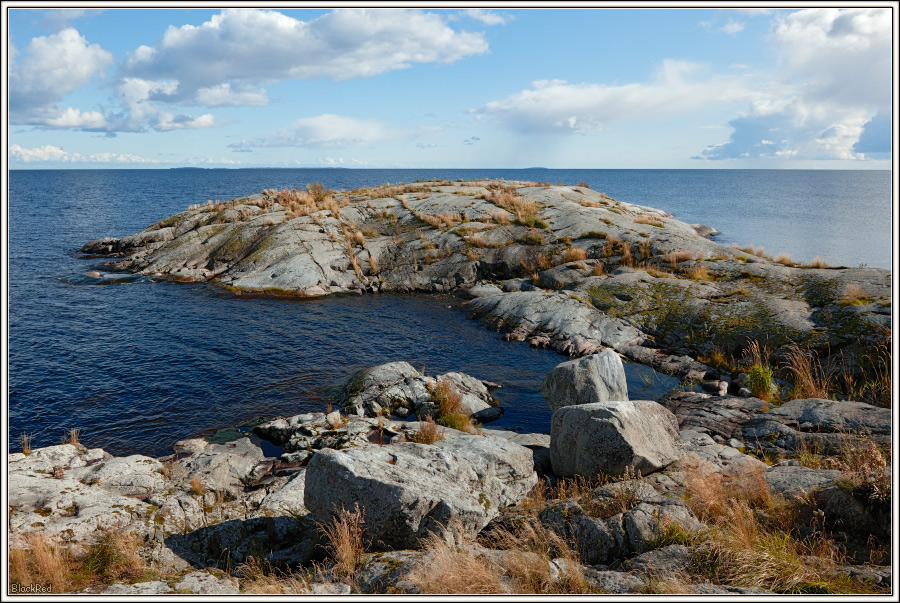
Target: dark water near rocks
[[137, 365]]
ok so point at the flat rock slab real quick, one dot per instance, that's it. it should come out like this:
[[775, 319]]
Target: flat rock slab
[[606, 437], [407, 490]]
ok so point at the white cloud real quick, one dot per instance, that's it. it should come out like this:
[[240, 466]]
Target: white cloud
[[74, 118], [836, 69], [556, 106], [485, 16], [52, 67], [732, 27], [240, 49], [222, 95], [326, 130], [50, 153]]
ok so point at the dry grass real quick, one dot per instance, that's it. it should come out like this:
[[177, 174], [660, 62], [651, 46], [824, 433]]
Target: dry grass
[[676, 257], [761, 378], [114, 558], [357, 237], [448, 405], [575, 254], [597, 270], [454, 569], [652, 221], [428, 432], [72, 437], [784, 258], [854, 295], [257, 576], [817, 262], [42, 562], [197, 487], [699, 272], [454, 565], [862, 464], [479, 241], [811, 379], [344, 538], [25, 440]]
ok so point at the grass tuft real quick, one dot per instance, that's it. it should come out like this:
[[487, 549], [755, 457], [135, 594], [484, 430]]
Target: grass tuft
[[344, 537]]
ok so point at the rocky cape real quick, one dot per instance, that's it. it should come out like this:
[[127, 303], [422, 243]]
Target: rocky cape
[[562, 267]]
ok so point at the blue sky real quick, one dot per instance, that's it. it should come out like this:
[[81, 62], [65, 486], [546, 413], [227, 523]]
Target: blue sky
[[450, 88]]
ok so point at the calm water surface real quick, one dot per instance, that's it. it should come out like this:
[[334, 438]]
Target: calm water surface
[[138, 365]]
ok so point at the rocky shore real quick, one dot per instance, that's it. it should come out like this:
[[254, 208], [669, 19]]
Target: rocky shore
[[761, 474]]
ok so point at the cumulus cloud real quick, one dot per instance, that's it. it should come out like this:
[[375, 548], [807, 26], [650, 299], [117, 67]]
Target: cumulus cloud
[[327, 130], [52, 67], [50, 153], [557, 106], [485, 16], [836, 66], [876, 135], [227, 58], [732, 27]]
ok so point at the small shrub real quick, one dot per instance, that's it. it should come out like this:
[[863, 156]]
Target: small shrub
[[583, 184], [817, 262]]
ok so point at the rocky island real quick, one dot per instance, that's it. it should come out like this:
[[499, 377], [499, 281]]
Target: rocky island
[[767, 471]]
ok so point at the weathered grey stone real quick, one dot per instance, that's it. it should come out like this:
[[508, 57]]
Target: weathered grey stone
[[613, 582], [407, 491], [796, 481], [607, 437], [595, 378], [204, 583], [671, 559], [227, 468]]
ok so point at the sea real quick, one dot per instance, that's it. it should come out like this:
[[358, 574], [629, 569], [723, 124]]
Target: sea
[[135, 364]]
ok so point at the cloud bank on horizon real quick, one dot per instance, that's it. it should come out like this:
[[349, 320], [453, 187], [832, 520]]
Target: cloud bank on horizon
[[418, 88]]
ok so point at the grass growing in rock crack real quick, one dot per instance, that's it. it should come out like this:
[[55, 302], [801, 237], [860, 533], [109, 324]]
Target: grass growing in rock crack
[[259, 577], [448, 404], [760, 377], [428, 432], [344, 540]]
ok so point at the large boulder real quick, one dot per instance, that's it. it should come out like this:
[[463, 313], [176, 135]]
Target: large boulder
[[607, 437], [409, 490], [595, 378]]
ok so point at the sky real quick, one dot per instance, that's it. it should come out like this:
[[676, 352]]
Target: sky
[[591, 88]]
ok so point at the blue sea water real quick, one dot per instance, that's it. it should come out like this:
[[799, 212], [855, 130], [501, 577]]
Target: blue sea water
[[139, 364]]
